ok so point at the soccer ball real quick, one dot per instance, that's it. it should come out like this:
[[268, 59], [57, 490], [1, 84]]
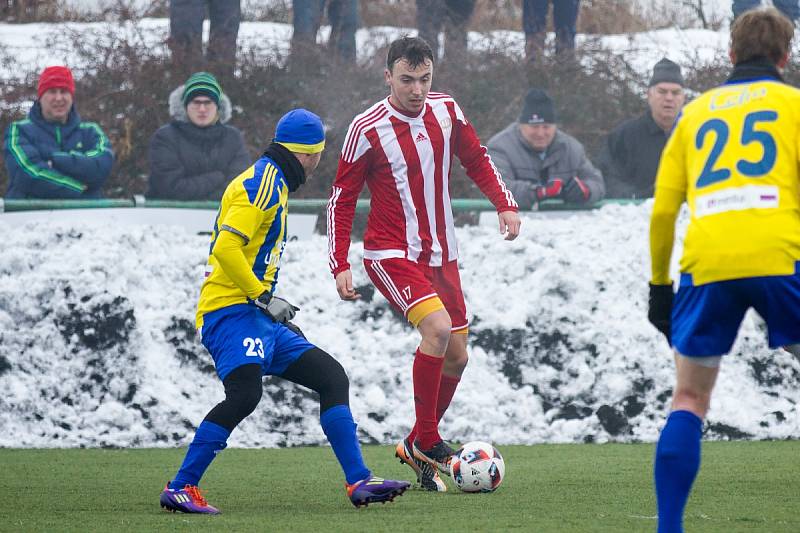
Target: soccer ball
[[478, 467]]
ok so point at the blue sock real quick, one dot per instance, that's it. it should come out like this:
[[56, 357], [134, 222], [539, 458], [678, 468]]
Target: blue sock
[[338, 425], [677, 463], [209, 440]]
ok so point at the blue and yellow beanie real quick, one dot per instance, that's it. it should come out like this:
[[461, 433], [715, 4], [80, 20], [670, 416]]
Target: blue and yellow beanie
[[201, 84], [300, 131]]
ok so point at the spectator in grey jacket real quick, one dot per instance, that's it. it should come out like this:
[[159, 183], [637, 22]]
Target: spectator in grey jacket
[[630, 157], [197, 154], [537, 161]]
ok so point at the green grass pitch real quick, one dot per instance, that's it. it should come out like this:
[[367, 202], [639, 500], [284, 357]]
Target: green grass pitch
[[742, 486]]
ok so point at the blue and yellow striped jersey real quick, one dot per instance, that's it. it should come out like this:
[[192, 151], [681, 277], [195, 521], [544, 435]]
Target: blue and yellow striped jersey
[[254, 206], [734, 154]]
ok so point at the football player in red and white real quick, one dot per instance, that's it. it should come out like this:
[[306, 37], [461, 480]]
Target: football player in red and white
[[402, 148]]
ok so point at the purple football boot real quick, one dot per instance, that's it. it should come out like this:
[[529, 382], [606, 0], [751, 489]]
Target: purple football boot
[[375, 489], [189, 499]]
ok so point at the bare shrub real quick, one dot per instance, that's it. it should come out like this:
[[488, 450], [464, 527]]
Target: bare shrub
[[126, 82]]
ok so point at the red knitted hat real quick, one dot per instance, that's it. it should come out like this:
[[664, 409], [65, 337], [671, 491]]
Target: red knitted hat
[[56, 78]]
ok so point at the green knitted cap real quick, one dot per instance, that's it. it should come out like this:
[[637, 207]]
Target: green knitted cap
[[201, 84]]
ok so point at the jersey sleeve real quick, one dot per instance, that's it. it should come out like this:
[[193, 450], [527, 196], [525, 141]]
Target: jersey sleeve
[[354, 163], [251, 201], [479, 166], [670, 193], [672, 167]]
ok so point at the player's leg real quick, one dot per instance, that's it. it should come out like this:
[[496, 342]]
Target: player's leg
[[678, 451], [320, 372], [405, 285], [239, 341], [705, 320], [447, 283]]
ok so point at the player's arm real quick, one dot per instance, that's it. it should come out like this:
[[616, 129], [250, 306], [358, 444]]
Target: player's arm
[[662, 233], [245, 215], [476, 161], [671, 186], [229, 252], [350, 176]]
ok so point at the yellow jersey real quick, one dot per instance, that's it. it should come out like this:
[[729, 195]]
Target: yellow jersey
[[734, 155], [254, 207]]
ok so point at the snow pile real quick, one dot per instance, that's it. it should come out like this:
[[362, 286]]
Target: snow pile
[[97, 342]]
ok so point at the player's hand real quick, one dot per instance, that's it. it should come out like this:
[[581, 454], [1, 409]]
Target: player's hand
[[575, 191], [276, 308], [660, 309], [509, 224], [344, 286], [292, 326]]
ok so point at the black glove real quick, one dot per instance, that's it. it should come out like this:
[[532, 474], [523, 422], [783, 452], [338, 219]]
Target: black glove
[[292, 326], [575, 191], [660, 309], [276, 308]]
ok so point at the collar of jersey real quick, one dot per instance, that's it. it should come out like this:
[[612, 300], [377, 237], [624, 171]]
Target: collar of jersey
[[402, 116]]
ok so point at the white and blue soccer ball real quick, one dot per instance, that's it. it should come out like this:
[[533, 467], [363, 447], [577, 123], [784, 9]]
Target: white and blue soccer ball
[[478, 467]]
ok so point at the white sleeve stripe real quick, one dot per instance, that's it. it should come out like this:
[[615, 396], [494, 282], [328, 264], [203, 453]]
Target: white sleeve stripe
[[332, 263], [509, 197], [356, 129], [353, 132], [352, 149]]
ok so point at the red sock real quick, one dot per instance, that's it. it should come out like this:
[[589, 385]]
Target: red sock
[[447, 388], [427, 374]]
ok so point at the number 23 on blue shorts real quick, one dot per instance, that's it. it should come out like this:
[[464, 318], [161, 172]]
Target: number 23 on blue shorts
[[242, 334]]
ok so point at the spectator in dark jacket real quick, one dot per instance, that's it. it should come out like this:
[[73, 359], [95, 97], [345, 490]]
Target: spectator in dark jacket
[[186, 34], [197, 154], [450, 15], [52, 153], [539, 162], [630, 157]]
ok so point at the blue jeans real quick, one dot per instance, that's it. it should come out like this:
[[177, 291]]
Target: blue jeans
[[790, 8], [343, 17], [565, 15]]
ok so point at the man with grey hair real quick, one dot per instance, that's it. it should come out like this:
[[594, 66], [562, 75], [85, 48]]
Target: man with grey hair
[[630, 156]]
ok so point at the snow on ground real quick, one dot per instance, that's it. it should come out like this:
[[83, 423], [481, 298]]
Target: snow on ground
[[97, 344]]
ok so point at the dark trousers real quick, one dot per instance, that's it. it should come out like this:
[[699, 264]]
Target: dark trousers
[[343, 17], [565, 15], [790, 8], [451, 15], [186, 34]]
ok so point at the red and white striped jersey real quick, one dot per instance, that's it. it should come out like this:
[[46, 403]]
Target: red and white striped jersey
[[406, 162]]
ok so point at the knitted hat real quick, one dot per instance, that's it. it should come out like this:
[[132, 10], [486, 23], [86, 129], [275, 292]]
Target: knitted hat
[[56, 78], [538, 108], [300, 131], [201, 84], [666, 71]]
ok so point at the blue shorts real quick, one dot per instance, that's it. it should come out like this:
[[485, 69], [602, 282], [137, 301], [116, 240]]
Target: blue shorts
[[706, 319], [242, 334]]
